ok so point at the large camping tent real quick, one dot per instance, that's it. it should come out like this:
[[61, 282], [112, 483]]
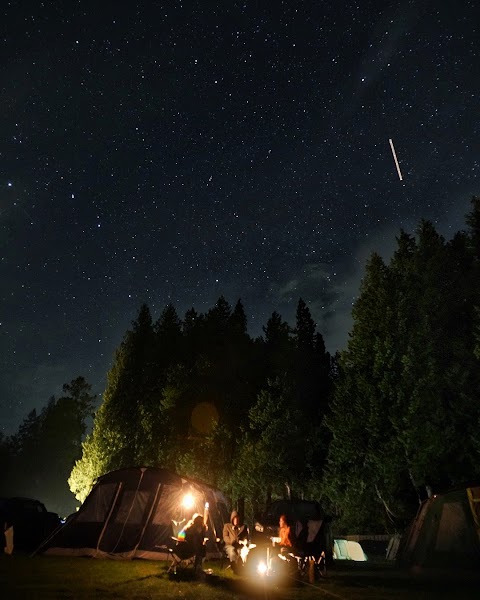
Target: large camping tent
[[133, 513], [445, 534]]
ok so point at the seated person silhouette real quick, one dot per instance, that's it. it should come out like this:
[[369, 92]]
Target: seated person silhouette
[[191, 541]]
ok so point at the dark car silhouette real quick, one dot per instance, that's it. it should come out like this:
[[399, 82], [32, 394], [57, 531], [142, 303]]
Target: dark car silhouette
[[31, 522]]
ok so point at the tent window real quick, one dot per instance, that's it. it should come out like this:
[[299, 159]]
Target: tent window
[[167, 507], [132, 507], [95, 510]]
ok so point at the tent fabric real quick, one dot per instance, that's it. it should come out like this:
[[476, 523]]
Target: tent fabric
[[444, 534], [348, 550], [132, 513]]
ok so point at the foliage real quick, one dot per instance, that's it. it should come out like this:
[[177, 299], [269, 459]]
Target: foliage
[[407, 383], [187, 394], [47, 445], [370, 431]]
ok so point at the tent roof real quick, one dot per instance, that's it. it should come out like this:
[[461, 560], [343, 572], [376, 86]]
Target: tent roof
[[158, 473]]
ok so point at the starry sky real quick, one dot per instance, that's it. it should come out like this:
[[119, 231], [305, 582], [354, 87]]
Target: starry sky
[[177, 151]]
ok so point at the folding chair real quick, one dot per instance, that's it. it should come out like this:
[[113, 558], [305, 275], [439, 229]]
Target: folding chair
[[181, 555], [312, 562]]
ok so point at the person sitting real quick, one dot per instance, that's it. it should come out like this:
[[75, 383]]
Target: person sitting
[[233, 534], [285, 535], [287, 542], [191, 542]]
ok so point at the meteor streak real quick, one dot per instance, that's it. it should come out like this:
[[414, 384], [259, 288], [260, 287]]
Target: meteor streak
[[395, 159]]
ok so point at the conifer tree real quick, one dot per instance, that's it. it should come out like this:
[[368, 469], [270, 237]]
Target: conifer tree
[[473, 223], [407, 381], [305, 328], [168, 342], [306, 368], [278, 351], [117, 439], [63, 427], [239, 319], [46, 446], [25, 451], [356, 419]]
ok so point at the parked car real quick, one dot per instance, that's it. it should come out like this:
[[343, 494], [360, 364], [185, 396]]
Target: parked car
[[31, 522]]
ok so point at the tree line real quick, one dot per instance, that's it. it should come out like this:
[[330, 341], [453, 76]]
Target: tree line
[[37, 460], [370, 432]]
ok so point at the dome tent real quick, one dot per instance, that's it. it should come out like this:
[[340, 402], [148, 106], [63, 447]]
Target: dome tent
[[132, 513], [445, 534]]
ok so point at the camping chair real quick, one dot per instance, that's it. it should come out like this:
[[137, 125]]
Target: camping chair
[[182, 556], [180, 553], [312, 559]]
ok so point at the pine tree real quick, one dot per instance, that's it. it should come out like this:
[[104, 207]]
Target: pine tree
[[365, 467], [239, 319], [306, 367], [473, 222], [304, 329], [5, 465], [168, 343], [26, 450], [278, 349], [46, 446], [218, 317], [63, 427], [406, 380], [117, 439]]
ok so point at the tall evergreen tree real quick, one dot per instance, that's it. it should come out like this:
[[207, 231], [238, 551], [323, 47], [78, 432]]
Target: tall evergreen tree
[[357, 417], [239, 319], [473, 222], [406, 380], [278, 349], [5, 464], [47, 445], [168, 333], [117, 438], [26, 450], [218, 318], [304, 328], [306, 367], [64, 424]]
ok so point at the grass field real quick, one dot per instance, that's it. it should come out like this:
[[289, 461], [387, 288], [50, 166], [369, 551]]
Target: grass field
[[42, 577]]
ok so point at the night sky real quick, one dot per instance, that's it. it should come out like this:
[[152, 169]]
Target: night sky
[[177, 151]]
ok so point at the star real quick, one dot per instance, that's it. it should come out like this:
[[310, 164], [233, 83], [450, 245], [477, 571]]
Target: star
[[303, 175]]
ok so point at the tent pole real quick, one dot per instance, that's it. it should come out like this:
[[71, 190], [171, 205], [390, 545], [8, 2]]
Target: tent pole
[[130, 509], [108, 517], [147, 520]]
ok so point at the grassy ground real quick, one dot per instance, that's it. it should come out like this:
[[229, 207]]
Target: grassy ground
[[42, 578]]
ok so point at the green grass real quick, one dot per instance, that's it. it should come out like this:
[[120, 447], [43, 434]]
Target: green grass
[[42, 578]]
